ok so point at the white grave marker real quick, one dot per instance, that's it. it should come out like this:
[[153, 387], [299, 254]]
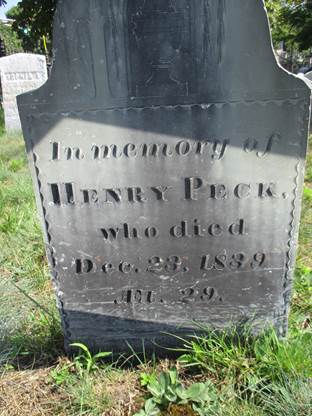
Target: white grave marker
[[20, 73]]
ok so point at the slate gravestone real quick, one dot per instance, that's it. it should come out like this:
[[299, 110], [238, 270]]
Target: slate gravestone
[[308, 79], [19, 73], [167, 151]]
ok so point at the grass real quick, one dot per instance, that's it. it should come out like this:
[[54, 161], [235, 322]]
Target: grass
[[26, 330], [262, 377]]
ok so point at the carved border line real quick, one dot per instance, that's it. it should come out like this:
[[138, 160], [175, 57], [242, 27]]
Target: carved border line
[[50, 248], [203, 106], [288, 277], [293, 229]]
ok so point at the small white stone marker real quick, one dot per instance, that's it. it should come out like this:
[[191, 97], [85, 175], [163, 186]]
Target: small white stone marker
[[20, 73]]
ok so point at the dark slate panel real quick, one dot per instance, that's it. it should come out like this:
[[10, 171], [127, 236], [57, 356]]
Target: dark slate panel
[[167, 151]]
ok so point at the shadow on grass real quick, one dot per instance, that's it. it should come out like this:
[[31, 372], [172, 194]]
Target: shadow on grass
[[30, 330], [39, 349]]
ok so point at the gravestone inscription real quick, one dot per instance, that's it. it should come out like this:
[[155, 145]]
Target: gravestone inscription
[[167, 152], [19, 73]]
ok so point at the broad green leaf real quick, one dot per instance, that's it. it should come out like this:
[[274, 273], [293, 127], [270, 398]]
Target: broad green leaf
[[83, 348]]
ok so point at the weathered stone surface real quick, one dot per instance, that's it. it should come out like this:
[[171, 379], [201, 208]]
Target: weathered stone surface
[[309, 76], [19, 73], [167, 151], [308, 79]]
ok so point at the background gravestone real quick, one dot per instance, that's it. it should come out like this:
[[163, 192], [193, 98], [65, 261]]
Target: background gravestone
[[309, 76], [308, 79], [19, 73], [167, 152]]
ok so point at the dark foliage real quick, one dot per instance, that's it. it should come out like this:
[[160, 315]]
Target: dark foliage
[[33, 23]]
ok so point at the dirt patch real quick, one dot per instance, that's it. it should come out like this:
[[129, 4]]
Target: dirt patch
[[30, 393], [123, 392]]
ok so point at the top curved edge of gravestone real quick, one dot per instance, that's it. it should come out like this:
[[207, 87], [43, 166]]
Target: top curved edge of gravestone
[[216, 51], [19, 57], [22, 55], [297, 77]]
